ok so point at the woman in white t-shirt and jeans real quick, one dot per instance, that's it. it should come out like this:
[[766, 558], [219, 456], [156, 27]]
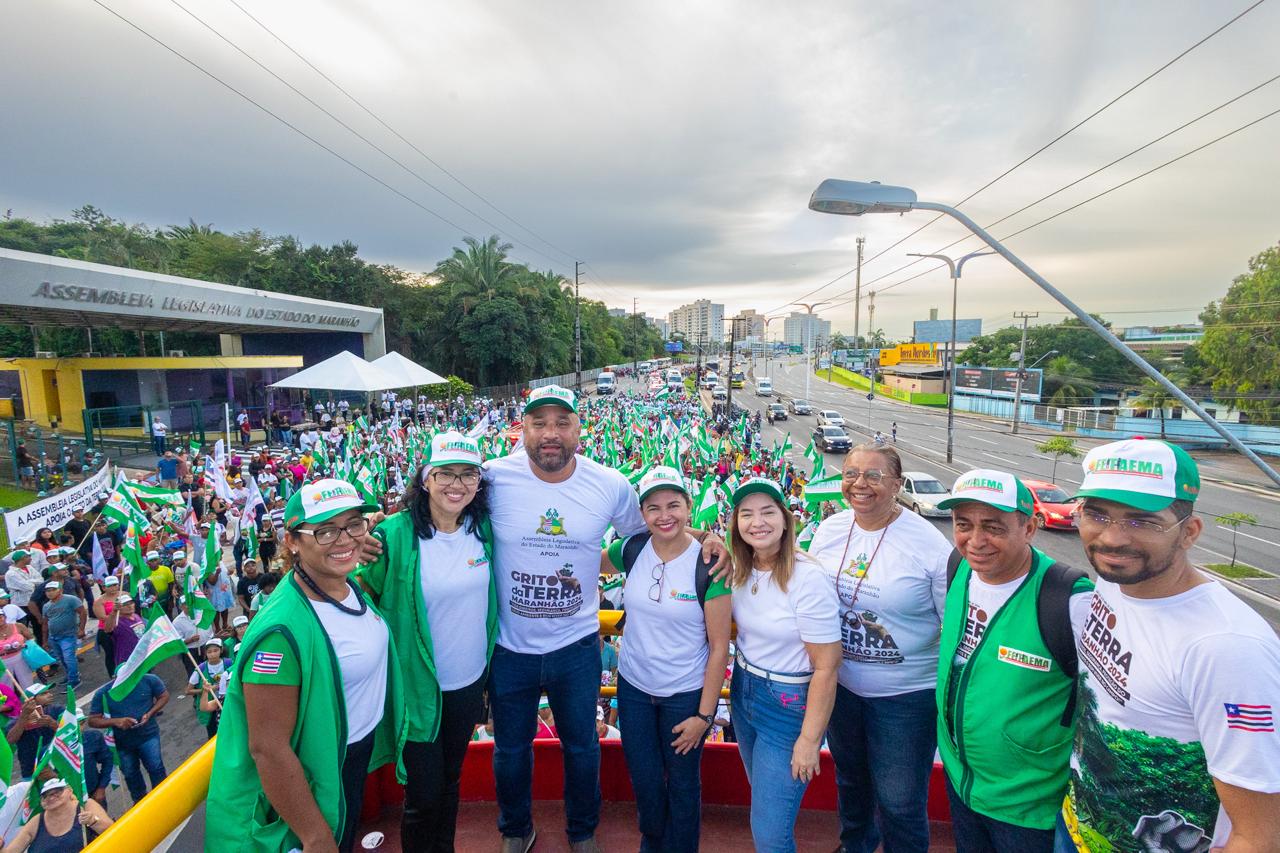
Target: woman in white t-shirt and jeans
[[889, 571], [671, 666], [788, 651]]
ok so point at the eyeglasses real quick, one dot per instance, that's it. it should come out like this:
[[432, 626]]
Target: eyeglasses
[[1088, 518], [658, 572], [448, 478], [873, 477], [328, 535]]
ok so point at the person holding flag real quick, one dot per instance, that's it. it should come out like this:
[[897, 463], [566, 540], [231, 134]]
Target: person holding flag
[[125, 626], [128, 706], [314, 702], [433, 579], [62, 821]]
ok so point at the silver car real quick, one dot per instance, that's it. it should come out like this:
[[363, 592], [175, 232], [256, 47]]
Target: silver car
[[922, 493]]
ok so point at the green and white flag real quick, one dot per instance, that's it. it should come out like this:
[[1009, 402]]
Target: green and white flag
[[161, 641], [815, 455], [123, 508], [817, 492], [212, 554], [198, 605], [132, 552], [64, 755], [806, 536], [707, 508], [155, 494]]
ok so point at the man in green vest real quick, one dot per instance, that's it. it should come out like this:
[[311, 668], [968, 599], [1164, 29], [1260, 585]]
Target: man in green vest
[[1007, 674]]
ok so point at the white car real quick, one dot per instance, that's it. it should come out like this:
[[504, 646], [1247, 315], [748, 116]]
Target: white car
[[828, 417], [764, 388], [922, 493], [710, 380], [719, 393]]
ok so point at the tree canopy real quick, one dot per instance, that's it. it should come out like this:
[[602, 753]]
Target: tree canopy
[[1241, 344], [477, 315]]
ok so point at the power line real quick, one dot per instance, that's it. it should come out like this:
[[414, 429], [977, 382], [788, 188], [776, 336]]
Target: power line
[[397, 133], [1043, 148]]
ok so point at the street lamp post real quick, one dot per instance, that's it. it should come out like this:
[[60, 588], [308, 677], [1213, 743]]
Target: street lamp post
[[808, 336], [1023, 367], [956, 268], [854, 198]]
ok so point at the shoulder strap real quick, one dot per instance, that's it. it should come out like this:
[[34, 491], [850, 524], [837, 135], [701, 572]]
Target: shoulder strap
[[953, 565], [631, 550], [1053, 617], [702, 579]]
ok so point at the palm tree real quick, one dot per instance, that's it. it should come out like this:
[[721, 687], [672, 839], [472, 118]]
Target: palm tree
[[1155, 397], [478, 272], [1070, 379]]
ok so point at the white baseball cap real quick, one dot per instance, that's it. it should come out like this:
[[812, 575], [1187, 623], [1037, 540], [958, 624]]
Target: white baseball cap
[[239, 620], [553, 395], [999, 489], [662, 477], [454, 448], [1143, 473], [52, 785], [322, 500]]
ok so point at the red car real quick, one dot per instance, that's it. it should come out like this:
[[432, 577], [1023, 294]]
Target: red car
[[1053, 506]]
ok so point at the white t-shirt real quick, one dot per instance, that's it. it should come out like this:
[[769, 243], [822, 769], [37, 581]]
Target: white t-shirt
[[1174, 684], [890, 634], [773, 625], [12, 613], [666, 649], [219, 675], [361, 644], [454, 574], [547, 547], [186, 627], [985, 601]]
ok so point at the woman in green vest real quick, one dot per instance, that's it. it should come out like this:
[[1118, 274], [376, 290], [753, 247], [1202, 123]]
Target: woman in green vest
[[433, 579], [314, 703]]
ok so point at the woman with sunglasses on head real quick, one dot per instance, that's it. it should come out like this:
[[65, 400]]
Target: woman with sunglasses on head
[[314, 702], [672, 663], [889, 570], [433, 579], [788, 651]]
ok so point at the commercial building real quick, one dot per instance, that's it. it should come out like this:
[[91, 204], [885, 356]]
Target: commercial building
[[801, 329], [701, 322], [752, 326], [263, 337]]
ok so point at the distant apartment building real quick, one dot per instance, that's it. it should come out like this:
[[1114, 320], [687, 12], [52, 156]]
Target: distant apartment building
[[800, 329], [699, 322]]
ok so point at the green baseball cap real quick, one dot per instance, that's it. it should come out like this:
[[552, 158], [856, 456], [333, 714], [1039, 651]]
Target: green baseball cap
[[18, 555], [662, 477], [454, 448], [999, 489], [1146, 474], [551, 395], [758, 484], [321, 500]]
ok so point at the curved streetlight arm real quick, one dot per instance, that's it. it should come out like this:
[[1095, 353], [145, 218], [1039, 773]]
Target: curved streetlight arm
[[1104, 333]]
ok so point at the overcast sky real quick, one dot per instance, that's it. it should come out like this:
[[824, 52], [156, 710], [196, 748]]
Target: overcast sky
[[672, 145]]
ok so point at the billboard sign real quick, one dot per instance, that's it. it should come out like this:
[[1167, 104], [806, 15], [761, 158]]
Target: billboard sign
[[939, 331], [909, 354], [675, 346], [998, 382]]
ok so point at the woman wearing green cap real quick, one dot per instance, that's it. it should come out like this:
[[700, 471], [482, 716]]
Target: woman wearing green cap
[[672, 664], [433, 579], [314, 703], [788, 651]]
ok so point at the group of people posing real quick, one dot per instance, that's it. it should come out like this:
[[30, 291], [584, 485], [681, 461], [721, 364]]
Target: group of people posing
[[884, 641]]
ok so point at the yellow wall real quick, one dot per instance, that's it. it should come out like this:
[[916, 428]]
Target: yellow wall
[[54, 387]]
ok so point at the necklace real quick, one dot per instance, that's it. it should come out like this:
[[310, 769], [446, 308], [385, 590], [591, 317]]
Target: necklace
[[314, 587], [867, 568]]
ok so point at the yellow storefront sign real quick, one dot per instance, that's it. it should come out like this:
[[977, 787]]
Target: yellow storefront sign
[[909, 354]]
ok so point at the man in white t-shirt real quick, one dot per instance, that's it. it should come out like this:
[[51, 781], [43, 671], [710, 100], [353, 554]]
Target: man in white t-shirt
[[1176, 747], [550, 508]]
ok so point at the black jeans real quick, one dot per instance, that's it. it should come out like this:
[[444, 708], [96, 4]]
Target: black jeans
[[355, 770], [434, 769], [977, 833]]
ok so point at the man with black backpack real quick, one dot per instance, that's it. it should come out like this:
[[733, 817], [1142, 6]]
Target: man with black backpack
[[1007, 670]]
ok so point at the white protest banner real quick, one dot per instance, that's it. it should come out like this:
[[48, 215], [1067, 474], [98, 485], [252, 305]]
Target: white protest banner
[[56, 511]]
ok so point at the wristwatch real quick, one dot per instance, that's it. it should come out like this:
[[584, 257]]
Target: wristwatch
[[709, 719]]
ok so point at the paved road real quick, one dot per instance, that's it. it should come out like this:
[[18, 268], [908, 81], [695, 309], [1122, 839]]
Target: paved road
[[982, 443]]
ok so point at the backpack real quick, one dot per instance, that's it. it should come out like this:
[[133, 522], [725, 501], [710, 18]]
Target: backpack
[[1053, 617], [631, 552]]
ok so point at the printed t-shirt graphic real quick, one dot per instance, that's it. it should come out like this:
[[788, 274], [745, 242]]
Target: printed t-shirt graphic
[[1159, 681], [547, 548]]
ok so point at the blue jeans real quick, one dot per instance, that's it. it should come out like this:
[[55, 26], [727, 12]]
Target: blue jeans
[[64, 650], [977, 833], [883, 750], [146, 752], [668, 786], [158, 444], [570, 677], [767, 716]]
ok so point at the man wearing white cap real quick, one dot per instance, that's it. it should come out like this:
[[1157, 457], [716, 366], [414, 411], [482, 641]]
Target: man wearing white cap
[[1177, 747], [550, 509], [21, 580], [1006, 671]]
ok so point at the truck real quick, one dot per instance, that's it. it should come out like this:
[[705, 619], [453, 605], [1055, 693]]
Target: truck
[[606, 383], [738, 379]]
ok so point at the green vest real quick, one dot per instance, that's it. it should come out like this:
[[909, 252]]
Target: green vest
[[247, 821], [203, 717], [394, 585], [1000, 729]]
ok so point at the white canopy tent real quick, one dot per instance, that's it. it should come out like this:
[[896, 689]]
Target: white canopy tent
[[409, 372], [342, 372]]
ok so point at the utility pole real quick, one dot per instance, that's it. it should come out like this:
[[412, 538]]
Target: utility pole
[[1024, 316], [635, 336], [577, 328], [733, 340], [857, 294], [809, 364], [871, 315]]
